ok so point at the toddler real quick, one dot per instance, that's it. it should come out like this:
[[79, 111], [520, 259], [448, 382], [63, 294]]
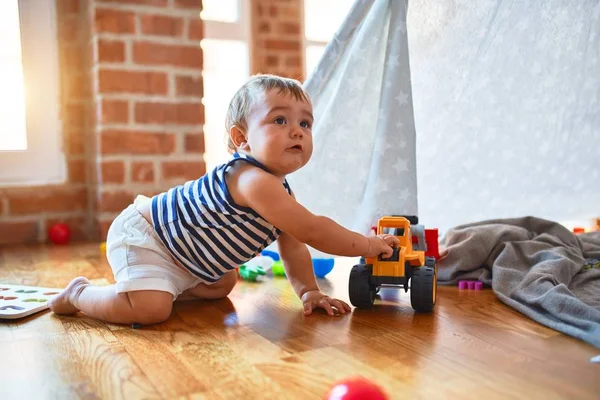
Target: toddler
[[186, 243]]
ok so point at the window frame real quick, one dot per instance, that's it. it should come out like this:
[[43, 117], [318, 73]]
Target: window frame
[[43, 162], [240, 30]]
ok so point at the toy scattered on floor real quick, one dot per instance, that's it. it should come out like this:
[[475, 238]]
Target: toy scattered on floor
[[322, 266], [103, 247], [578, 230], [59, 233], [18, 301], [470, 285], [278, 269], [407, 263], [136, 325], [251, 273], [255, 267], [356, 389], [268, 253]]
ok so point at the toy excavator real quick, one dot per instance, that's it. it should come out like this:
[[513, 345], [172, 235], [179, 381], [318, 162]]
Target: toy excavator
[[407, 264]]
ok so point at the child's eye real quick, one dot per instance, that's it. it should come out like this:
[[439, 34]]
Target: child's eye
[[305, 124], [280, 120]]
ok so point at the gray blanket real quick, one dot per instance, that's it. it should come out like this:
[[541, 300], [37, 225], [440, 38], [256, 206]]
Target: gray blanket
[[536, 266]]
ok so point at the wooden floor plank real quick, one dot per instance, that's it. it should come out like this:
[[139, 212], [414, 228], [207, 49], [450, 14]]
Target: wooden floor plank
[[258, 344]]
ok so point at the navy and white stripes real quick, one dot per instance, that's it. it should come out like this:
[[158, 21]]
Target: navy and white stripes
[[205, 230]]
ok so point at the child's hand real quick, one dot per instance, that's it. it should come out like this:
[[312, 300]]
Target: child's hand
[[381, 244], [315, 299]]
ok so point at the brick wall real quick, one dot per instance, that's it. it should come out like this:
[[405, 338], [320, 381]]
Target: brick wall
[[148, 80], [278, 33], [26, 213], [131, 89]]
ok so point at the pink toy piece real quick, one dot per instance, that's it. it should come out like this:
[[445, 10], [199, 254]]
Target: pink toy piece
[[462, 285], [471, 285], [478, 285]]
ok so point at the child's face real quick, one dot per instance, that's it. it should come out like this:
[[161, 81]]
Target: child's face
[[279, 133]]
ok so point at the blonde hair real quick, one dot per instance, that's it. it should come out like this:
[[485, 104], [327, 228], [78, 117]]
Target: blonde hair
[[244, 100]]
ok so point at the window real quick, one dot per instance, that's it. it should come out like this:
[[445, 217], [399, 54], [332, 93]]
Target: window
[[30, 149], [226, 68], [321, 20]]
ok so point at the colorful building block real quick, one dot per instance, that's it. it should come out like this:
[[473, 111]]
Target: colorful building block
[[470, 285]]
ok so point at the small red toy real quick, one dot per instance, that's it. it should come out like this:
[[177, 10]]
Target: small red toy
[[59, 233], [356, 389]]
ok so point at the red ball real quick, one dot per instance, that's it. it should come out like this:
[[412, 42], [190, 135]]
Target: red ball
[[356, 389], [59, 233]]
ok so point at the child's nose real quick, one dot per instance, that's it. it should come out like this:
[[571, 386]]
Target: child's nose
[[297, 133]]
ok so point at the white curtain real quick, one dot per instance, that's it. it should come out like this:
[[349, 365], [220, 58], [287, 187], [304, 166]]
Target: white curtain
[[506, 110], [363, 165]]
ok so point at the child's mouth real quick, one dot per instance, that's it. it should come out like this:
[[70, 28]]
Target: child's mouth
[[297, 147]]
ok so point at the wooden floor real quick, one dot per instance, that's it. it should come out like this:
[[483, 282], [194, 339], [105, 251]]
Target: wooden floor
[[258, 345]]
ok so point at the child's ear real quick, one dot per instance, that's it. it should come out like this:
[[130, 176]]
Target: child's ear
[[238, 137]]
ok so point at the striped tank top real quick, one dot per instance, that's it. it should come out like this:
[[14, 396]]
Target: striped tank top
[[203, 228]]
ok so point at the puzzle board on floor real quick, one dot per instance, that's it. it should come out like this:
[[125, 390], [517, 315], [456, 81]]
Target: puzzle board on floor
[[18, 301]]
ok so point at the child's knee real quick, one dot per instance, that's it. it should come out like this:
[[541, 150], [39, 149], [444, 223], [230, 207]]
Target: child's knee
[[150, 307]]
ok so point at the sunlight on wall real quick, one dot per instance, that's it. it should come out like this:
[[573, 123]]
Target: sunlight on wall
[[226, 68], [321, 20], [13, 133]]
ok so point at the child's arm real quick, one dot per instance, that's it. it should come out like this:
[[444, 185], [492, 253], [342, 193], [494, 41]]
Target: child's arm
[[298, 268], [265, 193]]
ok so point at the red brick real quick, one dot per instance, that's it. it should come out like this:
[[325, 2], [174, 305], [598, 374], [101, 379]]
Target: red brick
[[170, 113], [103, 226], [111, 51], [197, 4], [74, 116], [288, 28], [189, 86], [196, 29], [142, 172], [77, 226], [71, 86], [154, 3], [71, 58], [264, 27], [18, 232], [67, 6], [33, 201], [114, 111], [273, 11], [164, 54], [185, 170], [293, 61], [162, 25], [115, 201], [272, 61], [76, 171], [1, 205], [284, 45], [135, 142], [194, 142], [113, 172], [67, 29], [118, 81], [74, 142], [114, 21]]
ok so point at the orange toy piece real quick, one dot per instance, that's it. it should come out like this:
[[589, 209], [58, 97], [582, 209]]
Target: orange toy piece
[[404, 266]]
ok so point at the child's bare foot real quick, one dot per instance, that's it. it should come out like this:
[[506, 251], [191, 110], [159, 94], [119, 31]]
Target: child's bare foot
[[62, 304]]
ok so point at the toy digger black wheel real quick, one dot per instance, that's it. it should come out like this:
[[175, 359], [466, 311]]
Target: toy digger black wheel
[[431, 263], [362, 294], [423, 288]]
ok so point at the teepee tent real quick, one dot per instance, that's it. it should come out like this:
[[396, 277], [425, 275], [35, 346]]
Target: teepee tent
[[490, 108]]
